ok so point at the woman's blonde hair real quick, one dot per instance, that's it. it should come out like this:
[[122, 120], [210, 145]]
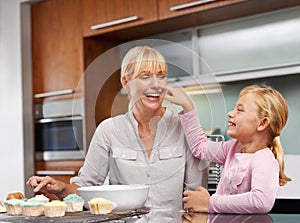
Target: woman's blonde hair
[[271, 104], [142, 57]]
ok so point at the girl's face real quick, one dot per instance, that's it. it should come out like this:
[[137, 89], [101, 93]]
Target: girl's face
[[144, 90], [243, 120]]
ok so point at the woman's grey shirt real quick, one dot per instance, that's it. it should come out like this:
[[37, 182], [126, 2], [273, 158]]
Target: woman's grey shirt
[[116, 150]]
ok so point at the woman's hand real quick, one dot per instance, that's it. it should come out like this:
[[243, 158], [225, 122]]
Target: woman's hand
[[46, 184], [197, 200], [178, 97]]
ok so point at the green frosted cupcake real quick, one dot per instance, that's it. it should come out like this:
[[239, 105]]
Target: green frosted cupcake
[[74, 203], [14, 206], [32, 208]]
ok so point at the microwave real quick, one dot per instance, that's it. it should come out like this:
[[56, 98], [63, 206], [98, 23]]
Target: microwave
[[58, 131]]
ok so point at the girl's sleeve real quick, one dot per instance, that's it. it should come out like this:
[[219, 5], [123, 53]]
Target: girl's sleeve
[[264, 185], [199, 144]]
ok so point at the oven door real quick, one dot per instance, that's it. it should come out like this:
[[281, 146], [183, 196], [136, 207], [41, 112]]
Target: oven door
[[59, 138]]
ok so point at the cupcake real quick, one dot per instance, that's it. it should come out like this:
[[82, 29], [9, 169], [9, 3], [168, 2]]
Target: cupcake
[[33, 208], [74, 203], [101, 206], [14, 206], [40, 198], [15, 195], [55, 208]]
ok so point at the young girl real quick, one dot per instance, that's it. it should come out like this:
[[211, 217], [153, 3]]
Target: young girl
[[253, 160]]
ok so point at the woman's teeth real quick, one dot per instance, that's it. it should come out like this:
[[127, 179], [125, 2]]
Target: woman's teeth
[[152, 95]]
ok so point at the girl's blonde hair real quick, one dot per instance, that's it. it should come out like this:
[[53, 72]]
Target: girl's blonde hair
[[271, 104], [142, 57]]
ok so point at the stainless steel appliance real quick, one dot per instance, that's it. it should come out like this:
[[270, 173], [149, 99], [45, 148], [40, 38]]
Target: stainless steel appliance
[[215, 170], [58, 130]]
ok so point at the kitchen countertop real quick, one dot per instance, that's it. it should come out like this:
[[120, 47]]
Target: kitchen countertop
[[157, 216], [77, 217]]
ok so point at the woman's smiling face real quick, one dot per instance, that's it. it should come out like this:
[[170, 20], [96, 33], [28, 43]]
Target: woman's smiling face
[[143, 88]]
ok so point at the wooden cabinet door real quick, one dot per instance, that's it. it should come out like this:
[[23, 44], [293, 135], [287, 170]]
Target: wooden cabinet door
[[57, 49], [100, 16], [173, 8]]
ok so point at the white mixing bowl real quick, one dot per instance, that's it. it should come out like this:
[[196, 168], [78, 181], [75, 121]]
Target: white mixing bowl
[[127, 197]]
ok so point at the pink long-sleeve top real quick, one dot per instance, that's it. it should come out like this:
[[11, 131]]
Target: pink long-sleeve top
[[249, 181]]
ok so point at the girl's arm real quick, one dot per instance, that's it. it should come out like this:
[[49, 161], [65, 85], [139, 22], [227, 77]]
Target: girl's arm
[[196, 138], [199, 144]]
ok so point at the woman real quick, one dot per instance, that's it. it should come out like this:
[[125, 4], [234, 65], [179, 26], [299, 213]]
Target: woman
[[144, 146]]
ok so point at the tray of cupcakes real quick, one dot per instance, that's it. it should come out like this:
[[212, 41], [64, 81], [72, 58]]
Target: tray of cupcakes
[[71, 209]]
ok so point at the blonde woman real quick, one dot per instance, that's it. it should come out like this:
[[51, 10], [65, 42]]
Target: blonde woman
[[144, 146], [253, 159]]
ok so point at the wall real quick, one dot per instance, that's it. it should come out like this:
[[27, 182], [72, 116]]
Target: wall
[[11, 130]]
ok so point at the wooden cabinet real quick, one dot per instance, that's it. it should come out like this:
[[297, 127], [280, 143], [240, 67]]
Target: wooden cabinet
[[173, 8], [57, 49], [100, 16]]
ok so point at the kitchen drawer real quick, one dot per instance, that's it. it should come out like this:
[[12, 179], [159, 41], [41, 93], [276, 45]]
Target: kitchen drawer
[[59, 170]]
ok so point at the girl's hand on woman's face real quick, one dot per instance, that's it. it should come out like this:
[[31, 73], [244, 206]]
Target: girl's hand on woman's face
[[178, 97], [197, 200]]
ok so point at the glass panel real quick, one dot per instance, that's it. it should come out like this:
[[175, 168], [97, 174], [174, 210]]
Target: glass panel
[[176, 47], [262, 41]]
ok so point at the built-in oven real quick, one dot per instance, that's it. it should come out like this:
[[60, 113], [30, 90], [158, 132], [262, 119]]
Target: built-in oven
[[59, 130]]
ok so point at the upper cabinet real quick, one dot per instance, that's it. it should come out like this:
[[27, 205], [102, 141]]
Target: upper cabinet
[[174, 8], [57, 49], [100, 16], [269, 42]]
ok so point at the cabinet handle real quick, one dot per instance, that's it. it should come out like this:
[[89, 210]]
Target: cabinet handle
[[191, 4], [59, 119], [54, 93], [55, 172], [115, 22]]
